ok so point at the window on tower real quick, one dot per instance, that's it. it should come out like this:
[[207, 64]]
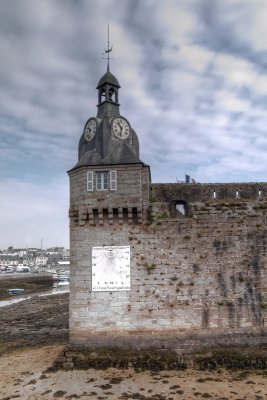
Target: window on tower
[[101, 180]]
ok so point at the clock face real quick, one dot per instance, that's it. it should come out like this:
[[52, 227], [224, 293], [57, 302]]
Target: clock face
[[90, 129], [121, 128], [111, 268]]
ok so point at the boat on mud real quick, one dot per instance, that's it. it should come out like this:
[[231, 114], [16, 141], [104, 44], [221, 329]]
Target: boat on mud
[[16, 291], [61, 278]]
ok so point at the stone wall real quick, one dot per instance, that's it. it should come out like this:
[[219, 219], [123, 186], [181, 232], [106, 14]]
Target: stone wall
[[130, 179], [193, 192], [196, 281], [131, 196]]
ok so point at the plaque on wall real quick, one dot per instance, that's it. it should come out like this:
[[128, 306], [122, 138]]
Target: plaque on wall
[[111, 268]]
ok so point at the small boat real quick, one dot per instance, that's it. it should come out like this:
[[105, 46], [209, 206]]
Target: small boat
[[61, 278], [16, 291], [63, 283]]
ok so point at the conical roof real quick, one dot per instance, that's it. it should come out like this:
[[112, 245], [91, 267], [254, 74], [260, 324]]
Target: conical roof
[[108, 77]]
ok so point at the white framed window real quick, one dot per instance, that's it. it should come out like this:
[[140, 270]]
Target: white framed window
[[102, 180], [113, 180], [90, 181]]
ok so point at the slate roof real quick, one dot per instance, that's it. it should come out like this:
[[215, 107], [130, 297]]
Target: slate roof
[[108, 77], [117, 155]]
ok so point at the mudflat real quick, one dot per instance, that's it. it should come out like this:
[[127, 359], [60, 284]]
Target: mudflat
[[33, 334], [39, 320]]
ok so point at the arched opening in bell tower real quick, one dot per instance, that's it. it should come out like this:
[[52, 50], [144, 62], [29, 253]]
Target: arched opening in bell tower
[[111, 94], [102, 95]]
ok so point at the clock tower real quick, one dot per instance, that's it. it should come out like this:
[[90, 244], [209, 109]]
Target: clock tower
[[108, 138], [109, 196]]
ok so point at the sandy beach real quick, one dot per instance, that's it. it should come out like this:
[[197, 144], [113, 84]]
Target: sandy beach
[[33, 334], [23, 375]]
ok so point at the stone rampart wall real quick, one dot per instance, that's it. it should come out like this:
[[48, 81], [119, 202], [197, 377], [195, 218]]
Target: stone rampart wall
[[194, 192], [195, 281]]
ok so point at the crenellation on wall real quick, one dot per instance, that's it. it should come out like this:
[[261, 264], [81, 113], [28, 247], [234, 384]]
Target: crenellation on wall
[[181, 283], [194, 192]]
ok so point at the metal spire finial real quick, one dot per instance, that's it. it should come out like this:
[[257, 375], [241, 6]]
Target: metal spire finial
[[109, 49]]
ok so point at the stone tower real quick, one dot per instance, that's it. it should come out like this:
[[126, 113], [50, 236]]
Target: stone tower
[[109, 190], [173, 265]]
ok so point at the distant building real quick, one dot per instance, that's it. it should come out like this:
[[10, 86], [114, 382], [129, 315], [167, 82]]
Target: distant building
[[6, 260], [41, 260]]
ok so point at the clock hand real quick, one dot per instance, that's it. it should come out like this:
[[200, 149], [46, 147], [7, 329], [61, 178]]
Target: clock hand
[[120, 127]]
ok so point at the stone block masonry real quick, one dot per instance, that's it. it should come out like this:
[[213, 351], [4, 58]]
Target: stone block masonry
[[196, 281], [197, 251]]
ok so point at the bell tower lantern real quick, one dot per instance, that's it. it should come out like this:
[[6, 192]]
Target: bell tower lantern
[[108, 89], [108, 94]]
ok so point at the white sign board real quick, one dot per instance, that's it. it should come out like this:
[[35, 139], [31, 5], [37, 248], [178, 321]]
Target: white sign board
[[111, 268]]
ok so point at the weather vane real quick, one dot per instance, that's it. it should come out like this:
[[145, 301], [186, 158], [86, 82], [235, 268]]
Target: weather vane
[[109, 49]]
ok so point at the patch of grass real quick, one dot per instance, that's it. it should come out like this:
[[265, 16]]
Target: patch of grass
[[179, 286], [164, 215], [149, 216], [149, 267]]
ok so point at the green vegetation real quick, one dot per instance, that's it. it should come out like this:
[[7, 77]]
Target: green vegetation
[[163, 215], [149, 216], [140, 360], [149, 267], [179, 286], [234, 359]]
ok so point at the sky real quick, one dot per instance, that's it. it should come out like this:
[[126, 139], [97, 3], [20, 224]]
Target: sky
[[193, 77]]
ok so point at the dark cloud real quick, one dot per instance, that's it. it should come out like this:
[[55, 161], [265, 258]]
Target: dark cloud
[[193, 86], [223, 28]]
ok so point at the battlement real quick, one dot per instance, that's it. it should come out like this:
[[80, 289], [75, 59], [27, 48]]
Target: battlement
[[175, 201], [195, 192], [106, 216]]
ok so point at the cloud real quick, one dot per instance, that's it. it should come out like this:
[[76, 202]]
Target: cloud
[[193, 86], [34, 212]]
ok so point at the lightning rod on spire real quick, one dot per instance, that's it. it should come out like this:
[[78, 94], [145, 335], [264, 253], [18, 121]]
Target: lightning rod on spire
[[109, 49]]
